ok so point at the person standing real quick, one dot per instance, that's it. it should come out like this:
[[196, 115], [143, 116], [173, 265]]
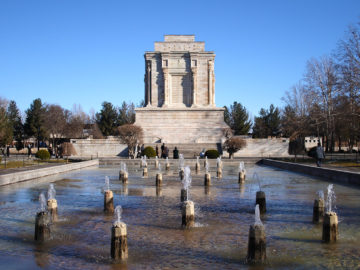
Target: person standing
[[176, 153], [320, 155], [163, 150], [157, 150]]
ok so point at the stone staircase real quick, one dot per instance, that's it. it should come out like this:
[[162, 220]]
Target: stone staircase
[[190, 150]]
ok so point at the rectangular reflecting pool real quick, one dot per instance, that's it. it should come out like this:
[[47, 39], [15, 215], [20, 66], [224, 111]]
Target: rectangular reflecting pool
[[223, 214]]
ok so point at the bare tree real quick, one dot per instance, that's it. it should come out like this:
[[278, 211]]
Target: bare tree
[[55, 123], [234, 144], [323, 87], [131, 135]]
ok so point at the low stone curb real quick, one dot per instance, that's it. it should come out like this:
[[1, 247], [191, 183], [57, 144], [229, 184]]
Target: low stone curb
[[16, 177], [339, 176]]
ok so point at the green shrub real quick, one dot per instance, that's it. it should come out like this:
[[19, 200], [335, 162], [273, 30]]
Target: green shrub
[[43, 154], [212, 153], [149, 152]]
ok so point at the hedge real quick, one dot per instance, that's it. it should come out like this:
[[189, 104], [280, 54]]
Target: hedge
[[43, 154]]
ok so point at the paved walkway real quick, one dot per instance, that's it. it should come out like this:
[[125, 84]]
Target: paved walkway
[[28, 168]]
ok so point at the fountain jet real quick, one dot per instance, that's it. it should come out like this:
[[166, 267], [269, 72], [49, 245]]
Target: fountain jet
[[123, 174], [242, 172], [52, 203], [159, 176], [108, 197], [330, 225], [119, 247], [318, 209], [42, 222], [257, 240], [218, 168], [197, 165]]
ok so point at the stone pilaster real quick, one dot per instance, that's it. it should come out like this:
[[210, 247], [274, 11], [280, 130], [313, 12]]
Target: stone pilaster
[[148, 83], [194, 85], [166, 87]]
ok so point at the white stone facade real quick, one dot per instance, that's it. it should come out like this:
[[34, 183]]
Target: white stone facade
[[180, 93]]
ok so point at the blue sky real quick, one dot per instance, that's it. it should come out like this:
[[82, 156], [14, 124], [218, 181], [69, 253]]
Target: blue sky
[[85, 52]]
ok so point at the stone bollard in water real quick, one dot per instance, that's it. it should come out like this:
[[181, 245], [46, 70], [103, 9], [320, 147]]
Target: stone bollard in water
[[158, 179], [108, 201], [318, 211], [183, 196], [42, 227], [156, 164], [219, 172], [145, 172], [261, 201], [119, 247], [197, 167], [181, 174], [330, 227], [123, 176], [188, 214], [53, 209], [241, 177], [257, 244], [167, 166], [158, 191], [207, 179]]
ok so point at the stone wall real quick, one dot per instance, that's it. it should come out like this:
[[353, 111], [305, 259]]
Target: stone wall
[[277, 147], [179, 126], [99, 147]]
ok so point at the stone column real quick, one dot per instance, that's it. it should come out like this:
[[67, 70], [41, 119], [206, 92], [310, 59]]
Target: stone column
[[166, 86], [194, 81], [148, 83], [211, 83]]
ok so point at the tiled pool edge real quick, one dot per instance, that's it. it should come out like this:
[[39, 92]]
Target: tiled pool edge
[[335, 175], [27, 175]]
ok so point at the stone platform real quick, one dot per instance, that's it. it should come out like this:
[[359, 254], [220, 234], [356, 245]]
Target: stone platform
[[181, 125]]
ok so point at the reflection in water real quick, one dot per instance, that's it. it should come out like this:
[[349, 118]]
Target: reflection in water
[[224, 211]]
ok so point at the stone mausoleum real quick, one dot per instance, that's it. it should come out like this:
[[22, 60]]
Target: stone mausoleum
[[180, 94]]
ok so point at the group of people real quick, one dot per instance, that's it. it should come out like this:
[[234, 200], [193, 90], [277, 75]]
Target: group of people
[[165, 152]]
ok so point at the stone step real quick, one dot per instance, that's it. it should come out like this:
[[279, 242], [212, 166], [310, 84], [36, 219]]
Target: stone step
[[188, 150]]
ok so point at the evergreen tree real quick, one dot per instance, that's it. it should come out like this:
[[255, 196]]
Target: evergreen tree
[[126, 114], [35, 118], [267, 123], [237, 117], [14, 117], [5, 128], [107, 119]]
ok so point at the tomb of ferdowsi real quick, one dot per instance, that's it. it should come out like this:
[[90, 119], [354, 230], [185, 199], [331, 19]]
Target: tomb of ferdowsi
[[180, 94]]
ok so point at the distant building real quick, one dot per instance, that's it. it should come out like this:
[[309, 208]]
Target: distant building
[[312, 141]]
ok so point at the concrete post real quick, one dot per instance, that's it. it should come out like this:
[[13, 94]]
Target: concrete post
[[219, 172], [261, 201], [53, 209], [207, 179], [167, 166], [183, 196], [158, 179], [318, 211], [145, 172], [197, 167], [330, 228], [108, 201], [257, 244], [119, 247], [42, 227], [123, 176], [241, 177], [188, 214], [181, 174]]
